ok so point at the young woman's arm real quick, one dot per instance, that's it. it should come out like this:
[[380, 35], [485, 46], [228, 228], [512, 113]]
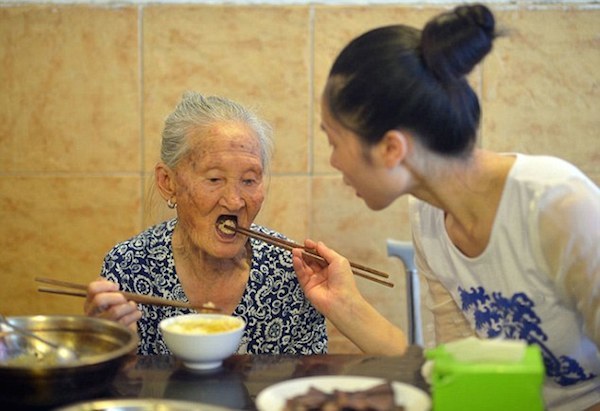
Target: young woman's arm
[[333, 291], [569, 234]]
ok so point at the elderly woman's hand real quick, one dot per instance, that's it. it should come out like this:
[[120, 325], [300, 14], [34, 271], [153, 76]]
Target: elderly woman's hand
[[103, 301]]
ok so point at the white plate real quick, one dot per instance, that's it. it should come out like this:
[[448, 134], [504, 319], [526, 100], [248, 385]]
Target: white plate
[[273, 398]]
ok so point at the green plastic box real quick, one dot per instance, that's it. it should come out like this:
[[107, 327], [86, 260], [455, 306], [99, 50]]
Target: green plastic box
[[462, 386]]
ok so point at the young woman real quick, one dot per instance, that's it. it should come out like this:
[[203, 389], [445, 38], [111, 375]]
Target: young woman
[[507, 242]]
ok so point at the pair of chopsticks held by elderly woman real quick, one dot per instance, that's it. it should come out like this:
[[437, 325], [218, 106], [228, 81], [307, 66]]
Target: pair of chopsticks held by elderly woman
[[507, 242]]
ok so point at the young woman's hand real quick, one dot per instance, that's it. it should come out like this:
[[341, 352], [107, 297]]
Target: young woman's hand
[[330, 286], [326, 284]]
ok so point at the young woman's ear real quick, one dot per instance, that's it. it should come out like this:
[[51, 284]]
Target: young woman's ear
[[394, 147]]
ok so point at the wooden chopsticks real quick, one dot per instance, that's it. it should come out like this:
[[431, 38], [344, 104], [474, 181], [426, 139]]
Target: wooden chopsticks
[[80, 290], [289, 245]]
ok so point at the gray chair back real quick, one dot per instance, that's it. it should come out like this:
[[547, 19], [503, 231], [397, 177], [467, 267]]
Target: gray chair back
[[405, 251]]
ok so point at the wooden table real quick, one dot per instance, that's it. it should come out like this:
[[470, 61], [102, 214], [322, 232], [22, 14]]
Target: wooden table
[[238, 381]]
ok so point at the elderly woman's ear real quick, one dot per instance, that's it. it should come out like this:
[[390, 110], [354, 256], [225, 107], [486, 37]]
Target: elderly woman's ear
[[165, 184]]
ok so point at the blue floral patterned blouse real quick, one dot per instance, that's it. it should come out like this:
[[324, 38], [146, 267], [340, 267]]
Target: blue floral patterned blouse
[[280, 320]]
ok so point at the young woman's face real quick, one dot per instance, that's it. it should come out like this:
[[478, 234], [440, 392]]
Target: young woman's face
[[221, 177], [360, 169]]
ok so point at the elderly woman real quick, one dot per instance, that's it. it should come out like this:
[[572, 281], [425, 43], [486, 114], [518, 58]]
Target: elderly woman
[[215, 156]]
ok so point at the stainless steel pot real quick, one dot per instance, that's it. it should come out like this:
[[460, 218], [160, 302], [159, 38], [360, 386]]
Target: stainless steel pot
[[141, 405], [102, 347]]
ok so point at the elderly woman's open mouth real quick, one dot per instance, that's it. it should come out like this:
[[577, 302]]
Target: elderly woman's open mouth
[[226, 225]]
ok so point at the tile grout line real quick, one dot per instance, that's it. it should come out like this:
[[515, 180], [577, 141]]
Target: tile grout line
[[311, 115], [143, 198]]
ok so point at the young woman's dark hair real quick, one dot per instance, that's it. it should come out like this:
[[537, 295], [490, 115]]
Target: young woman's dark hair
[[397, 77]]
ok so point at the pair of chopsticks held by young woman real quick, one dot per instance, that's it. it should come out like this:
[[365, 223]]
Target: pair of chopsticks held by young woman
[[310, 255]]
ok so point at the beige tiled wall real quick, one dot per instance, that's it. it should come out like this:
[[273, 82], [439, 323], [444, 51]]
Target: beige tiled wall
[[84, 91]]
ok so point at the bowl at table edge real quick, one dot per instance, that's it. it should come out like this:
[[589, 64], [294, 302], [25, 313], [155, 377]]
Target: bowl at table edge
[[202, 350], [103, 347]]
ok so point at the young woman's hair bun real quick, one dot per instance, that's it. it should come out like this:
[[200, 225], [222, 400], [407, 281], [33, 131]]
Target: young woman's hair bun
[[454, 42]]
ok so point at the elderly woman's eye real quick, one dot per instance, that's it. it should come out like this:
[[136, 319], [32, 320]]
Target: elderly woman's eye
[[249, 181]]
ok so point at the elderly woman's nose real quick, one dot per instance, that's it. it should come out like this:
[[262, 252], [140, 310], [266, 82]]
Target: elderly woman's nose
[[232, 197]]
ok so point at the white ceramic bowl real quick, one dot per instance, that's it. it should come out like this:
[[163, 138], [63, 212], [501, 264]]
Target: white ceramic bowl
[[202, 341]]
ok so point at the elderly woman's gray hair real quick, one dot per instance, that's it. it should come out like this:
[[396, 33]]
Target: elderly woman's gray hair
[[197, 111]]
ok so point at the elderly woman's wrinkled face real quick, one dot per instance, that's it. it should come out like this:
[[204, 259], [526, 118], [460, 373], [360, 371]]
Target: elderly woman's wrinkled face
[[221, 177]]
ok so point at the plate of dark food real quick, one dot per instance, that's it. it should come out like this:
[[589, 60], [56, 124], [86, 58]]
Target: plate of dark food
[[346, 393]]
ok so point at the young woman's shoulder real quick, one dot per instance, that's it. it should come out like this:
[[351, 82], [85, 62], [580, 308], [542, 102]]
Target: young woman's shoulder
[[544, 167]]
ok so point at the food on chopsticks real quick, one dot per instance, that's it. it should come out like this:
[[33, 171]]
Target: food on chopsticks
[[227, 224], [377, 398]]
